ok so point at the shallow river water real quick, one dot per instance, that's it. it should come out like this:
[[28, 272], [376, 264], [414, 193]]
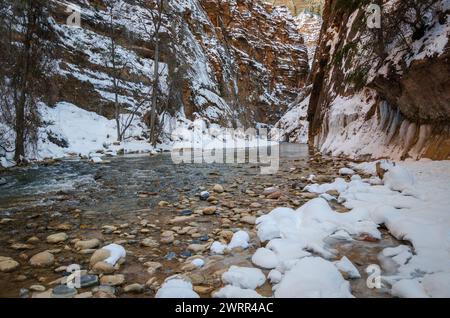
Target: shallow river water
[[126, 192]]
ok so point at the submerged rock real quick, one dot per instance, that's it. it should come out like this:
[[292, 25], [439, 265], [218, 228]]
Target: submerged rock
[[43, 259]]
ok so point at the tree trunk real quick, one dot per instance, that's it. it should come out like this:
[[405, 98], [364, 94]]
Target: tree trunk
[[153, 137], [20, 128]]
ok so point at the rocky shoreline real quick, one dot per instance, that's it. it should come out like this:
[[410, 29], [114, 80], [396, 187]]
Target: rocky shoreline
[[164, 238]]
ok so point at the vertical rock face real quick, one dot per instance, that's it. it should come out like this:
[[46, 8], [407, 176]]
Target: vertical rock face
[[382, 92], [230, 62], [268, 58]]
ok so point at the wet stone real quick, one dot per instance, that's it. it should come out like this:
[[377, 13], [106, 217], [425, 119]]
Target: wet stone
[[88, 281], [63, 291], [186, 213], [170, 256]]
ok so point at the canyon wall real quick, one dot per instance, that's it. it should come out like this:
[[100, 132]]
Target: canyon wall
[[231, 62], [382, 92]]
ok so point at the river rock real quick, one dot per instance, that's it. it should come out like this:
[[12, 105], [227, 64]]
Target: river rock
[[88, 281], [163, 203], [2, 181], [63, 291], [249, 220], [182, 219], [8, 265], [256, 205], [227, 235], [108, 229], [218, 188], [167, 237], [134, 288], [57, 238], [209, 210], [271, 190], [103, 268], [152, 267], [42, 259], [274, 195], [197, 248], [149, 242], [38, 288], [204, 195], [88, 244], [99, 256], [113, 280]]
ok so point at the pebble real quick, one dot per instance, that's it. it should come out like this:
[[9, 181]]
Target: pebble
[[63, 291], [57, 238], [42, 259], [113, 280], [163, 203], [88, 244], [88, 281], [218, 188], [21, 246], [182, 219], [99, 255], [170, 256], [204, 195], [197, 248], [186, 213], [209, 210], [108, 229], [152, 267], [8, 265], [134, 288], [249, 220], [167, 237], [38, 288], [149, 242], [103, 268]]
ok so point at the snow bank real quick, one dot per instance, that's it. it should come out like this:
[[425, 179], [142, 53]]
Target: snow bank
[[175, 287], [313, 277], [244, 277], [412, 201], [239, 239], [116, 252], [236, 292]]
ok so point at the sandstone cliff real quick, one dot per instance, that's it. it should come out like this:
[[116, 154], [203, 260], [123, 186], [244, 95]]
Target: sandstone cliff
[[382, 92], [226, 61]]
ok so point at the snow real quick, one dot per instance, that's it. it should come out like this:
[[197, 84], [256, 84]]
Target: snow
[[236, 292], [346, 172], [175, 287], [85, 133], [411, 201], [313, 277], [198, 262], [346, 267], [275, 276], [265, 258], [116, 252], [239, 239], [244, 277], [218, 248]]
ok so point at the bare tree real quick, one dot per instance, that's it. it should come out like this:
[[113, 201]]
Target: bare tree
[[152, 22], [25, 62]]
